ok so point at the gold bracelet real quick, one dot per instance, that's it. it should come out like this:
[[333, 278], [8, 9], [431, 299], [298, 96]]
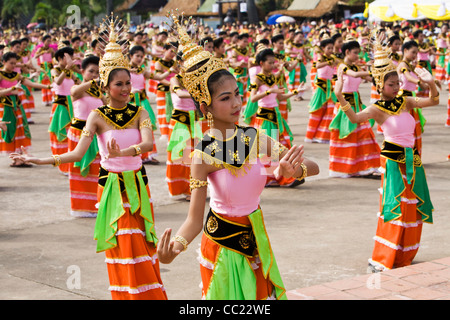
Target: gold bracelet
[[137, 150], [181, 240], [57, 160], [346, 107], [49, 86], [267, 92], [295, 91], [195, 183], [435, 98], [304, 172]]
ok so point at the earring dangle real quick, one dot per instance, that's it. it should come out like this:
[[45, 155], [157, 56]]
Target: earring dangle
[[210, 119]]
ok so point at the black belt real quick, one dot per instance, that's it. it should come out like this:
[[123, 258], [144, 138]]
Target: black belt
[[396, 153], [77, 123], [231, 235], [321, 83], [182, 116], [103, 176], [62, 100], [7, 101], [162, 87], [268, 114]]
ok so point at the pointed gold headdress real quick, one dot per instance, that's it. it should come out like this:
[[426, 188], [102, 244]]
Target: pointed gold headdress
[[382, 64], [198, 64], [113, 57]]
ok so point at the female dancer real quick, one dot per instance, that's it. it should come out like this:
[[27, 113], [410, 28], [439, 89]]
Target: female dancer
[[139, 75], [405, 201], [354, 150], [44, 56], [409, 82], [124, 227], [185, 132], [17, 136], [83, 175], [322, 102], [232, 267], [62, 110]]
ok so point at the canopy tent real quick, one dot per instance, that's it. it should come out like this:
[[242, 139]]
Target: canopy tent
[[390, 10]]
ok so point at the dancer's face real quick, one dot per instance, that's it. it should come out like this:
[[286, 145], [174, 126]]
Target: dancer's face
[[391, 87], [119, 87], [91, 72]]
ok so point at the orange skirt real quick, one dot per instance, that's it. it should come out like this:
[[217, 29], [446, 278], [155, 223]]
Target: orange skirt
[[397, 241], [47, 94], [59, 147], [209, 253], [319, 121], [19, 139], [356, 154], [83, 189], [161, 113], [133, 266]]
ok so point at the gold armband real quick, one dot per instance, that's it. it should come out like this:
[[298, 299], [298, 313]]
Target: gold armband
[[346, 107], [85, 132], [304, 172], [147, 123], [195, 183], [57, 159], [137, 150], [181, 240]]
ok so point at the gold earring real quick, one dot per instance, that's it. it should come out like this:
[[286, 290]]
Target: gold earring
[[209, 118]]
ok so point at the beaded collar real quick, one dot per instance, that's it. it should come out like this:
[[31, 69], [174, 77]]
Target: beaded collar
[[10, 76], [233, 153], [393, 107], [119, 118], [268, 80]]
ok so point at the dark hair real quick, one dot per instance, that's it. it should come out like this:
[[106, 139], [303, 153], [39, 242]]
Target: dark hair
[[417, 33], [393, 38], [170, 45], [14, 42], [24, 40], [135, 49], [94, 43], [336, 36], [350, 46], [76, 38], [326, 42], [90, 60], [59, 54], [263, 55], [205, 40], [163, 33], [46, 37], [277, 38], [243, 35], [10, 55], [234, 33], [218, 42], [409, 44]]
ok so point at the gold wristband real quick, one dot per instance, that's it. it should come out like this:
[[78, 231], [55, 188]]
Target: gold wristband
[[435, 98], [137, 150], [304, 172], [295, 91], [267, 92], [346, 107], [181, 240], [57, 159]]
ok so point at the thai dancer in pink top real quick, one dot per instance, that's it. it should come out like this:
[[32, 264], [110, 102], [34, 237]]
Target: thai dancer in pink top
[[227, 160], [409, 82], [83, 175], [124, 227], [44, 55], [322, 103], [354, 150], [62, 110], [404, 201]]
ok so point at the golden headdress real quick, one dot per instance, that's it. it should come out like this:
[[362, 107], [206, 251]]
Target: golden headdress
[[382, 64], [198, 64], [113, 57]]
